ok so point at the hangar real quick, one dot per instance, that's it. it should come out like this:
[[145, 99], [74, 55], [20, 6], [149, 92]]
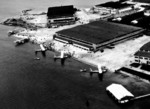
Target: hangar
[[114, 7], [97, 35], [120, 93], [61, 15]]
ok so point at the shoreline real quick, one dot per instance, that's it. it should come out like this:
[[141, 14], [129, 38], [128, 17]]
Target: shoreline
[[85, 62]]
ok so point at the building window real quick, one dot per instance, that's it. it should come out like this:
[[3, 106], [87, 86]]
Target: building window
[[146, 58], [137, 60], [141, 57], [136, 57]]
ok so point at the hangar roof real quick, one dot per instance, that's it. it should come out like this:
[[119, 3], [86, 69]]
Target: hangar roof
[[119, 91], [143, 1], [144, 51], [142, 54], [115, 5], [98, 31], [59, 11], [146, 47]]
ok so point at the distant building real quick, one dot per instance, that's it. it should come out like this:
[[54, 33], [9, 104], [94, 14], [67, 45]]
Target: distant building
[[143, 55], [113, 7], [124, 0], [61, 15], [98, 35], [129, 18], [142, 1], [139, 19], [120, 93]]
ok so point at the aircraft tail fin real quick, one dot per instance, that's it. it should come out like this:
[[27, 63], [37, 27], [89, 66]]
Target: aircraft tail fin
[[91, 69], [62, 54], [99, 68], [42, 47]]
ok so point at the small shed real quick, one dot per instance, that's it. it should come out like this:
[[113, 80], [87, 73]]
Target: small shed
[[120, 93]]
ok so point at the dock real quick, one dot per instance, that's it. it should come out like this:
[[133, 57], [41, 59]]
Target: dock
[[140, 97]]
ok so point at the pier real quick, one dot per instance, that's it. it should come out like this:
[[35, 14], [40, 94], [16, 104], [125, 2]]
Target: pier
[[140, 97]]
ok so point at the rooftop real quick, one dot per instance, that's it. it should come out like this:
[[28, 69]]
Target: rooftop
[[144, 51], [142, 54], [61, 11], [98, 31], [142, 20], [143, 1], [134, 72], [115, 5], [127, 19], [146, 47], [119, 91]]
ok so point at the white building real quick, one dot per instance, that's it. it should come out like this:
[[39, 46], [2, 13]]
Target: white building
[[121, 94]]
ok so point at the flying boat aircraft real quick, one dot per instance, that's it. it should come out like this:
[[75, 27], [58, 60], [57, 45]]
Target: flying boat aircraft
[[101, 69], [63, 56], [42, 49]]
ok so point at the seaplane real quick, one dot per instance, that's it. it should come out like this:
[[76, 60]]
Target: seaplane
[[101, 69], [42, 49], [63, 56]]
